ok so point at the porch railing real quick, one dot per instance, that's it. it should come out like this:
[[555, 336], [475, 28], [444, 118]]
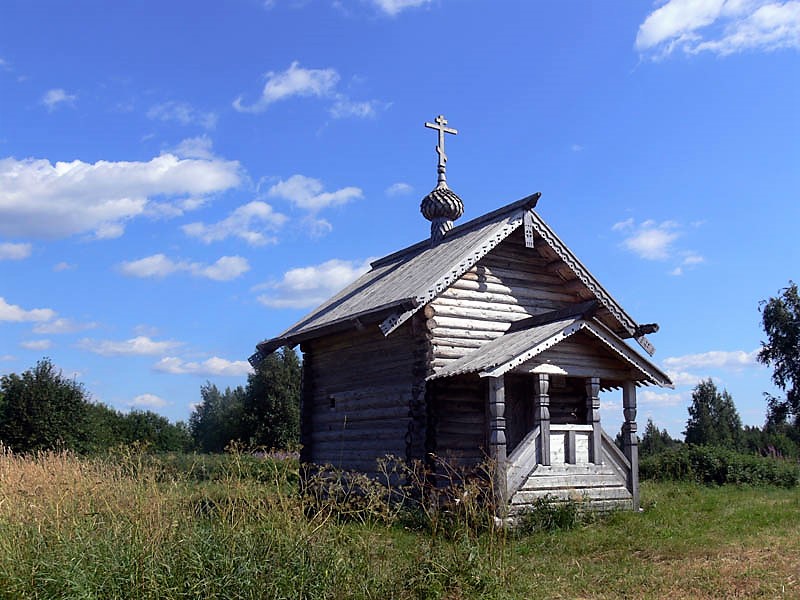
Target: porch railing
[[522, 461]]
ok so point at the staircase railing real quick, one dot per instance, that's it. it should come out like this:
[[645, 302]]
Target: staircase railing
[[522, 461], [616, 458]]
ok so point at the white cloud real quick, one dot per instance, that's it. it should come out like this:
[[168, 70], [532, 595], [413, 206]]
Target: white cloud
[[16, 314], [183, 113], [343, 108], [714, 359], [576, 148], [211, 366], [54, 98], [137, 346], [7, 357], [684, 378], [720, 26], [195, 147], [248, 222], [651, 398], [148, 401], [297, 81], [159, 266], [399, 189], [60, 326], [63, 266], [650, 240], [310, 286], [45, 200], [225, 269], [294, 81], [307, 193], [690, 259], [10, 251], [36, 344], [394, 7]]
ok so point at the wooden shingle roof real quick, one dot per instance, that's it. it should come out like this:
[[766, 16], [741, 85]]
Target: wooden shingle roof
[[401, 283]]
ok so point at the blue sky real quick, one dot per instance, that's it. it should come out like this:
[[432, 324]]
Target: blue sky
[[181, 180]]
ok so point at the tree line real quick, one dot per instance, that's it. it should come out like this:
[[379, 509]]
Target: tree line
[[42, 409]]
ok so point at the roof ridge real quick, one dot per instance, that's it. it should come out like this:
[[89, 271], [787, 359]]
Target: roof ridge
[[526, 202]]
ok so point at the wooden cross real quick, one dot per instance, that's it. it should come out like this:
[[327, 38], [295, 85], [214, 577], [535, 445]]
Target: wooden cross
[[440, 125]]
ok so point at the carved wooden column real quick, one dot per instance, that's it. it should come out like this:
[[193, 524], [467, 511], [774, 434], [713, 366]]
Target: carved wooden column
[[497, 439], [541, 385], [593, 419], [630, 441]]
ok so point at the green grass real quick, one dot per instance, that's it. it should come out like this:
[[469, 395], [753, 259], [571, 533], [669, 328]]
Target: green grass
[[136, 527]]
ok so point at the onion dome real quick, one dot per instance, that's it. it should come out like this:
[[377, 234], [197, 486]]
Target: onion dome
[[442, 206]]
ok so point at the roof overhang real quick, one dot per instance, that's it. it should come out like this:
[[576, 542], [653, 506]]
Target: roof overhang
[[511, 350]]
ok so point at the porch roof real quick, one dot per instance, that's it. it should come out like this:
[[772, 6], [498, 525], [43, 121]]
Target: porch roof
[[516, 347]]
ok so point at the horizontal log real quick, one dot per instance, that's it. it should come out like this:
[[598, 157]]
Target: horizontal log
[[457, 342], [468, 324], [356, 415], [350, 436], [480, 336], [478, 304], [524, 293], [499, 312]]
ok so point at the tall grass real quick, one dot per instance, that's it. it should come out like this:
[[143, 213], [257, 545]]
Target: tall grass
[[135, 526]]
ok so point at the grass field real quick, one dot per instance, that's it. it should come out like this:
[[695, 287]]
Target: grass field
[[134, 527]]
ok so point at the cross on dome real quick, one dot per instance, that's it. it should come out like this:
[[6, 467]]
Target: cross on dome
[[440, 124]]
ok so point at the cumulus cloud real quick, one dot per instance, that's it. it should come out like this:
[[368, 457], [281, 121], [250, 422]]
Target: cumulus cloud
[[650, 398], [45, 200], [307, 193], [399, 189], [722, 27], [294, 81], [148, 401], [63, 266], [395, 7], [54, 98], [310, 286], [182, 113], [297, 81], [10, 251], [649, 240], [36, 344], [158, 266], [17, 314], [715, 359], [195, 147], [137, 346], [212, 366], [61, 326], [249, 222]]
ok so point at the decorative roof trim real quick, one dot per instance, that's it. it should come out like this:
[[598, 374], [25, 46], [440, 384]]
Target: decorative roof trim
[[599, 331], [501, 369], [465, 264], [583, 274]]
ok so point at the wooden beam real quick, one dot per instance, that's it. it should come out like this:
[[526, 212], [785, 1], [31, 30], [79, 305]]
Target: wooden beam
[[541, 386], [497, 440], [593, 419], [630, 442]]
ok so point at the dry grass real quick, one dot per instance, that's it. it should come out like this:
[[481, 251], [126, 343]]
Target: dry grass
[[126, 528]]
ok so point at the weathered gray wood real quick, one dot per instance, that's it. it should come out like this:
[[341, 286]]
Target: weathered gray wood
[[630, 440], [497, 438], [541, 383], [593, 417]]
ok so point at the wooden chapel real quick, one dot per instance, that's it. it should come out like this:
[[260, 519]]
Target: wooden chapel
[[487, 340]]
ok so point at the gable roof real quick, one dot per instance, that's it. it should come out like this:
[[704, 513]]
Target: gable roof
[[516, 347], [401, 283]]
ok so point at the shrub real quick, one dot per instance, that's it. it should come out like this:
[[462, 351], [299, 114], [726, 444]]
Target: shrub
[[719, 466]]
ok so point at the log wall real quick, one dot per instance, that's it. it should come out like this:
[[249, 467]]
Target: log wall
[[364, 397], [459, 420], [512, 282]]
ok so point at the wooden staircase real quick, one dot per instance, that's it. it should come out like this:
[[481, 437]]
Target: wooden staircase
[[599, 486]]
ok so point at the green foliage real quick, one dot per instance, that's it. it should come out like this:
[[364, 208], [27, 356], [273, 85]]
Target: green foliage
[[265, 414], [550, 514], [42, 409], [780, 441], [780, 317], [715, 465], [272, 401], [655, 440], [218, 419], [713, 419]]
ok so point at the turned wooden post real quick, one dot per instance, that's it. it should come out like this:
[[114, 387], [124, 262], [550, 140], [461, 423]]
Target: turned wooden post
[[630, 441], [541, 385], [593, 419], [497, 439]]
